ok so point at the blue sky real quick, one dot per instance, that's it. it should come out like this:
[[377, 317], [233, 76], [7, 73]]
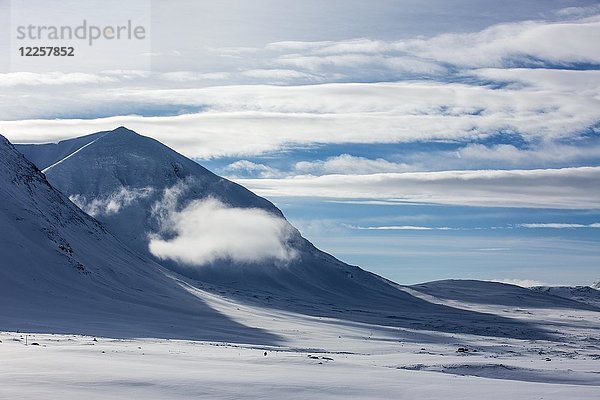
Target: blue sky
[[420, 140]]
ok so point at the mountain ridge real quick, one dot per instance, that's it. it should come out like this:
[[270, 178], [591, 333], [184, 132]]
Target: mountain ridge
[[63, 272], [124, 159]]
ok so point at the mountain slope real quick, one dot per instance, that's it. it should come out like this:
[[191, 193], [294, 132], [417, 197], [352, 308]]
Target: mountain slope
[[61, 271], [122, 178], [133, 184], [582, 294], [502, 294], [44, 155]]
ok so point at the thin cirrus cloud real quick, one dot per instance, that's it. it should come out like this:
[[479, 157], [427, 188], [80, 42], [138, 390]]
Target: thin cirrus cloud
[[510, 155], [404, 228], [342, 164], [559, 225], [532, 43], [12, 79], [568, 188], [273, 118], [453, 86], [503, 45], [446, 228], [248, 167], [522, 79], [348, 164], [470, 156], [549, 107]]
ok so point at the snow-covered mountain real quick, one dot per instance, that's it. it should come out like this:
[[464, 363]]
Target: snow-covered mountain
[[162, 204], [228, 240], [62, 272], [503, 294], [583, 294]]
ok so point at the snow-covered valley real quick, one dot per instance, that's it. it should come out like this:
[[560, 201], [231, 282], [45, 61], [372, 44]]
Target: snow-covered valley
[[315, 358]]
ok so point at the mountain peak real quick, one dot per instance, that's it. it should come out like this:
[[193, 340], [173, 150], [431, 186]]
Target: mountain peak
[[5, 143], [123, 130], [14, 164]]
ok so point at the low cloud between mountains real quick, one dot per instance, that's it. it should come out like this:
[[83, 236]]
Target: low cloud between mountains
[[111, 204], [207, 230]]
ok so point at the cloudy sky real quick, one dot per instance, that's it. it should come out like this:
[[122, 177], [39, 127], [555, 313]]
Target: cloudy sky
[[420, 140]]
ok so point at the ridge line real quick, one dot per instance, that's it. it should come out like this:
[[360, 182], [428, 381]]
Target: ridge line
[[73, 153]]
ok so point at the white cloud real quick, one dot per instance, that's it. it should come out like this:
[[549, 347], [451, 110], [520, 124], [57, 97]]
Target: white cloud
[[445, 228], [296, 45], [362, 59], [112, 203], [206, 231], [52, 78], [543, 105], [499, 45], [348, 164], [526, 283], [246, 166], [559, 225], [558, 42], [471, 156], [276, 74], [242, 120], [249, 120], [192, 76], [572, 81], [403, 228], [570, 188], [362, 66], [507, 154], [579, 12]]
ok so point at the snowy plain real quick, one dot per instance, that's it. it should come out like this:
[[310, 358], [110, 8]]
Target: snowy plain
[[317, 358]]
